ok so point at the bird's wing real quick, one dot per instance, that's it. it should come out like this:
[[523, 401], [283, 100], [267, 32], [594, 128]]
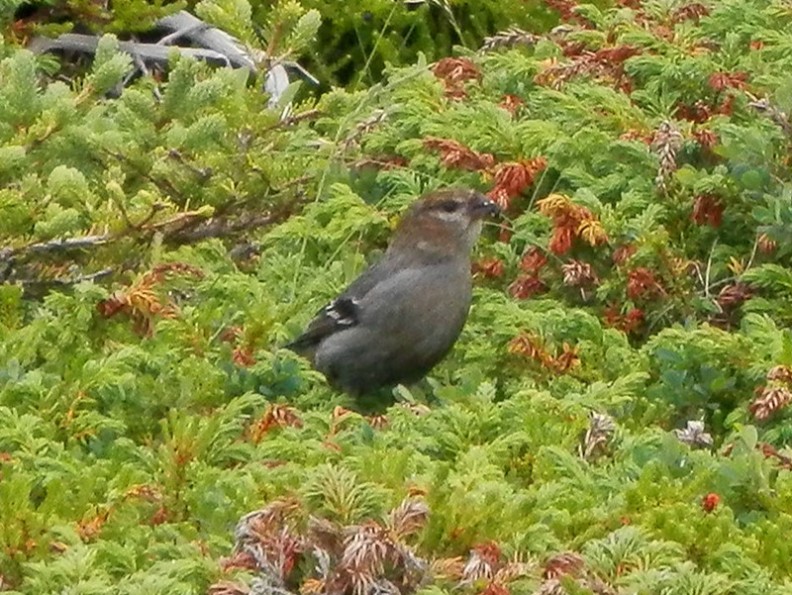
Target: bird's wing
[[343, 312], [339, 314]]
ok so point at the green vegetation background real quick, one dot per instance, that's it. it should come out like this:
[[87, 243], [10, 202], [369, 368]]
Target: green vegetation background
[[644, 273]]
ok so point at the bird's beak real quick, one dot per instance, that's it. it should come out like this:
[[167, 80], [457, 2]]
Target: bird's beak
[[481, 206]]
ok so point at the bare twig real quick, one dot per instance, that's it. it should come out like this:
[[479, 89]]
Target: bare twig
[[55, 246], [148, 52], [182, 228], [709, 269], [764, 106], [66, 281], [294, 119], [508, 39], [217, 227]]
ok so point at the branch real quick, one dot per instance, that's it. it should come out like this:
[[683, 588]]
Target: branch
[[54, 246], [183, 24], [764, 106], [217, 227], [66, 281], [148, 52], [185, 228]]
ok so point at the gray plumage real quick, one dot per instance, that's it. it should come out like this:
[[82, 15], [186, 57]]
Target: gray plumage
[[399, 318]]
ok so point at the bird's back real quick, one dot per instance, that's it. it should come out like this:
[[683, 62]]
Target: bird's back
[[399, 343]]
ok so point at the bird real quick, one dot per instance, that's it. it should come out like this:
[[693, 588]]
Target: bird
[[402, 315]]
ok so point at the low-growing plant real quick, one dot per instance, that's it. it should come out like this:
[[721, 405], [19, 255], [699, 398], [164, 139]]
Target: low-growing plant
[[614, 418]]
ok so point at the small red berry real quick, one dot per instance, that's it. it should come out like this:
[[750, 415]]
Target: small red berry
[[710, 502]]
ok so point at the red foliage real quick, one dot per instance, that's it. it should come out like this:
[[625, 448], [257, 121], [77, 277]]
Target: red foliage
[[379, 422], [566, 10], [768, 400], [606, 63], [641, 282], [616, 55], [526, 286], [456, 155], [766, 244], [570, 221], [770, 452], [700, 111], [142, 302], [532, 347], [490, 268], [533, 261], [505, 234], [561, 241], [455, 72], [242, 356], [644, 137], [710, 502], [511, 103], [632, 320], [733, 295], [513, 177], [706, 138], [697, 113], [231, 334], [726, 107], [707, 209], [727, 80], [89, 528], [495, 589], [567, 359], [692, 11], [572, 49], [239, 561], [623, 253], [489, 552], [275, 416], [160, 516], [567, 563], [628, 323]]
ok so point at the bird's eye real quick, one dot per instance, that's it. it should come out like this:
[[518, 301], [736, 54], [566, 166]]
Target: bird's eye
[[449, 206]]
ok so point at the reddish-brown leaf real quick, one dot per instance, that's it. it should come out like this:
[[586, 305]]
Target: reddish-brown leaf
[[706, 138], [526, 286], [455, 72], [511, 103], [623, 253], [691, 11], [727, 80], [707, 210], [768, 400], [454, 154], [641, 282], [765, 244], [533, 261], [491, 268]]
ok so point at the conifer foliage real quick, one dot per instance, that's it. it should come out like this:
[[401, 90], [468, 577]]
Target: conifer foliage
[[615, 418]]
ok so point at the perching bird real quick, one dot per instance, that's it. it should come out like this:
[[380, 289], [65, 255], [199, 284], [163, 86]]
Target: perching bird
[[400, 317]]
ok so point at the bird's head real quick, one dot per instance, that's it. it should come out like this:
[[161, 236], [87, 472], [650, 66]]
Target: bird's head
[[444, 222]]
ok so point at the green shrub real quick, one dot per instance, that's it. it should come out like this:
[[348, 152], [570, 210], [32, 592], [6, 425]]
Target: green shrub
[[159, 248]]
